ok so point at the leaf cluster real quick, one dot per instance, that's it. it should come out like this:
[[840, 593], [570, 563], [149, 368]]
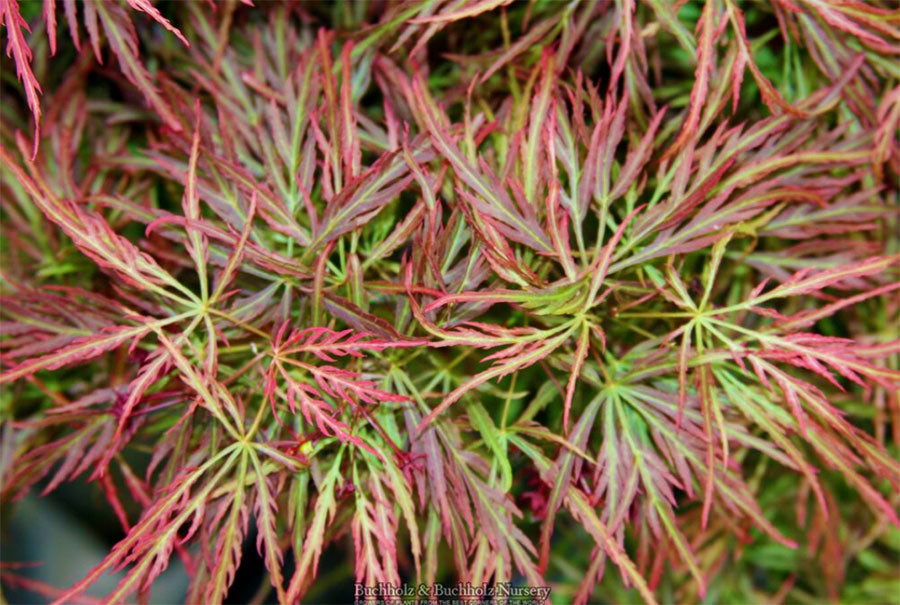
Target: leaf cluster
[[462, 286]]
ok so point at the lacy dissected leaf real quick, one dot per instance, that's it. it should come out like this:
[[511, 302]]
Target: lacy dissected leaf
[[600, 296]]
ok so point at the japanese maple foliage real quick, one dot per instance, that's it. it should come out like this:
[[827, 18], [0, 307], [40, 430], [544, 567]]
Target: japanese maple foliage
[[600, 295]]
